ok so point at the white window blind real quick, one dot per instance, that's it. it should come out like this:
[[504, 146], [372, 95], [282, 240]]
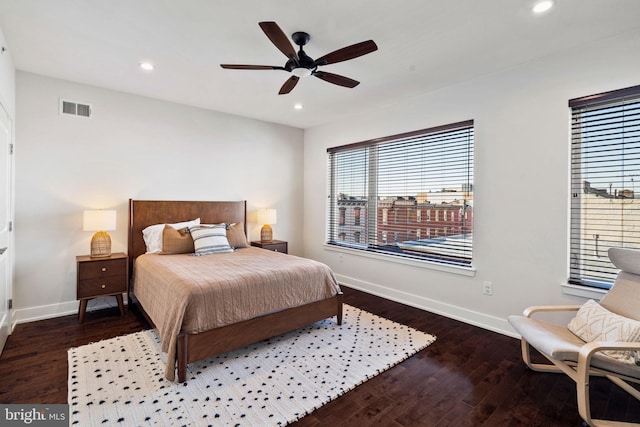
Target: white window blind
[[605, 175], [379, 189]]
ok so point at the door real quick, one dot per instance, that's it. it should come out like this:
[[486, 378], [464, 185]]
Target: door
[[6, 202]]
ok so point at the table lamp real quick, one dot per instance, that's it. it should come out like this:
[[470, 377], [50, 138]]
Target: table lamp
[[267, 217], [100, 221]]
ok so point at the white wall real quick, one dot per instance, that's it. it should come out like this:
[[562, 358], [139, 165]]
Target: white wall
[[132, 147], [521, 182], [7, 79]]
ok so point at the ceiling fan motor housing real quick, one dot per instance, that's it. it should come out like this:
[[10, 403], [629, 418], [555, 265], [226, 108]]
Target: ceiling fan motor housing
[[304, 65], [300, 38]]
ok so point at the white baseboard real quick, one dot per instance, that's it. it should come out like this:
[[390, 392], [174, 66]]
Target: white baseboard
[[491, 323], [32, 314]]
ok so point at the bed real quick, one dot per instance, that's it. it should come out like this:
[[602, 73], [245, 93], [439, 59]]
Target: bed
[[187, 339]]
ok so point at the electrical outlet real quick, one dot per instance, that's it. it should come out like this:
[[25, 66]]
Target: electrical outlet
[[487, 288]]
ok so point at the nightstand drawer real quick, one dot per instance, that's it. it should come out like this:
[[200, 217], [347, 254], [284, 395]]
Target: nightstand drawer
[[102, 286], [101, 277], [274, 245], [100, 269]]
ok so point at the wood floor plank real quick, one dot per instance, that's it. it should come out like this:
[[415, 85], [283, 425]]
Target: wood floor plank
[[468, 377]]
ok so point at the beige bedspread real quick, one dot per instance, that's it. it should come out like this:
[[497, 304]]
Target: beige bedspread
[[197, 293]]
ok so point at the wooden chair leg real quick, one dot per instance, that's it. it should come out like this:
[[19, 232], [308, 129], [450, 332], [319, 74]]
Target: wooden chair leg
[[582, 389], [538, 367]]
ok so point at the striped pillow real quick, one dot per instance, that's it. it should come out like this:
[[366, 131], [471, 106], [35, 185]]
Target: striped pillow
[[210, 239]]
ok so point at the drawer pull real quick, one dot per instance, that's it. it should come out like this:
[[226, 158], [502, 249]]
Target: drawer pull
[[103, 286], [104, 269]]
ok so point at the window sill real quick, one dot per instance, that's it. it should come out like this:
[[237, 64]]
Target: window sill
[[464, 271], [583, 291]]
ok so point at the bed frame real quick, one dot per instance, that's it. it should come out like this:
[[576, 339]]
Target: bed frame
[[194, 347]]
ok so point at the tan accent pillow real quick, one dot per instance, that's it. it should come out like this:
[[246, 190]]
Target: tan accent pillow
[[176, 241], [236, 236]]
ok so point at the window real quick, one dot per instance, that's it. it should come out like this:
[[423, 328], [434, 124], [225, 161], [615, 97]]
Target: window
[[430, 170], [605, 167], [343, 215]]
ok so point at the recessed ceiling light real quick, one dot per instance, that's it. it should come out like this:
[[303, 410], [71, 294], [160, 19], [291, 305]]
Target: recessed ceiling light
[[298, 106], [542, 6], [147, 66]]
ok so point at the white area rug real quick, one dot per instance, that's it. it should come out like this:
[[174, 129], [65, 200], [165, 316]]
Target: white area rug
[[121, 381]]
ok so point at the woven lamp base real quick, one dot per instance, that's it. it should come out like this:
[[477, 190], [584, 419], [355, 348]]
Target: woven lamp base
[[266, 233], [101, 245]]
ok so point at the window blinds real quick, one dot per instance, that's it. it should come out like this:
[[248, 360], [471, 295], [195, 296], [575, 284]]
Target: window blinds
[[408, 195], [605, 171]]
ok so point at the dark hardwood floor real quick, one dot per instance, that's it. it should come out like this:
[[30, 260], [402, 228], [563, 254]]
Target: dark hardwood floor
[[468, 377]]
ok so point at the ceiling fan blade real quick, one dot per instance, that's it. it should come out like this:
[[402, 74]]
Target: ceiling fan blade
[[336, 79], [279, 39], [288, 85], [349, 52], [250, 67]]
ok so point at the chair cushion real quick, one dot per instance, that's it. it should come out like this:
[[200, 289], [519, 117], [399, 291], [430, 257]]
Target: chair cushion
[[624, 297], [553, 340], [595, 323], [557, 342], [625, 259]]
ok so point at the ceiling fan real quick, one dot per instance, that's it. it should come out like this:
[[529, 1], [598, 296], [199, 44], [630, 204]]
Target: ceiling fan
[[300, 64]]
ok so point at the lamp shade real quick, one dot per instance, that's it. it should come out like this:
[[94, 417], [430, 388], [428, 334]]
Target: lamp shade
[[99, 220], [267, 216]]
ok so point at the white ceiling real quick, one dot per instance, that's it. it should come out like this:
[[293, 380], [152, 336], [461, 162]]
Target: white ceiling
[[423, 45]]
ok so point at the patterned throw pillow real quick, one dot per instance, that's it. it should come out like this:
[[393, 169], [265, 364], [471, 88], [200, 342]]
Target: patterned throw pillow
[[210, 239], [595, 323]]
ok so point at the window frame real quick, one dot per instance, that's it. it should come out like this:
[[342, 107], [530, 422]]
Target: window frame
[[585, 271], [375, 215]]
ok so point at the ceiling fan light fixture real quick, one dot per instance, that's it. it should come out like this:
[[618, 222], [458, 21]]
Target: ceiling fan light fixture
[[301, 72]]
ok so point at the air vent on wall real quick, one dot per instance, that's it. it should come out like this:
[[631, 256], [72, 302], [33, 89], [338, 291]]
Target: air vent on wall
[[72, 108]]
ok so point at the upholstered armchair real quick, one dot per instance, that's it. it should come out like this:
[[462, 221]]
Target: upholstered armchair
[[602, 339]]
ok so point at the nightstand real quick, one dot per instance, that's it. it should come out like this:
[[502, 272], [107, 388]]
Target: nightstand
[[101, 277], [274, 245]]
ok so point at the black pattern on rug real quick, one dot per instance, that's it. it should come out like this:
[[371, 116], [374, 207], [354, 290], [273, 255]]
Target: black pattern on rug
[[121, 381]]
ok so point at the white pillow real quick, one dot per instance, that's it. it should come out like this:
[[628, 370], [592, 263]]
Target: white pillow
[[152, 235], [593, 322], [210, 239]]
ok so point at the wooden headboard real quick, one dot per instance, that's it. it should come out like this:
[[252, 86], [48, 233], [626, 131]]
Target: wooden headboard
[[143, 213]]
